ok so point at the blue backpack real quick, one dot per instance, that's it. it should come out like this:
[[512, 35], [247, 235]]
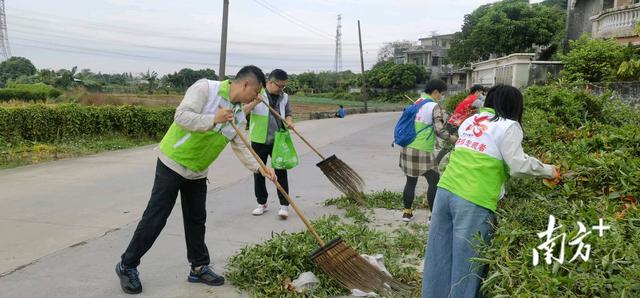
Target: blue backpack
[[405, 131]]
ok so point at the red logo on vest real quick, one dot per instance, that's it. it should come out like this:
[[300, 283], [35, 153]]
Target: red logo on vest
[[477, 126]]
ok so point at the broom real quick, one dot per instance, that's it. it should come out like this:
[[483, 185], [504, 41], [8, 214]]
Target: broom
[[336, 258], [339, 173]]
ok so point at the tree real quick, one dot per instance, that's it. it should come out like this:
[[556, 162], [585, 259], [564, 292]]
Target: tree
[[389, 50], [47, 76], [15, 67], [186, 77], [152, 80], [397, 77], [65, 78], [505, 27], [558, 3]]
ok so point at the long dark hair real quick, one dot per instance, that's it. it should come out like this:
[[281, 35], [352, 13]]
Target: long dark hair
[[506, 101]]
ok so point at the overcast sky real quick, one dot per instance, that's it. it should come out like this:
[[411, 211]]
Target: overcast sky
[[117, 36]]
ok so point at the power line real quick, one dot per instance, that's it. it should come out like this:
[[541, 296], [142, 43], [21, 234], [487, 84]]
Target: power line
[[253, 55], [98, 52], [293, 21], [49, 30], [28, 15]]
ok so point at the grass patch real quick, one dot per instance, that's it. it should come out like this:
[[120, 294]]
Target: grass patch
[[27, 153], [380, 199], [262, 269]]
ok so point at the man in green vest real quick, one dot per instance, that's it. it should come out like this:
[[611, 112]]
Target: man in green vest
[[199, 133], [262, 128]]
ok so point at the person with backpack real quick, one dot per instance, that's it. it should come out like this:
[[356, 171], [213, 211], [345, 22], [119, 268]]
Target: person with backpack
[[488, 151], [416, 132]]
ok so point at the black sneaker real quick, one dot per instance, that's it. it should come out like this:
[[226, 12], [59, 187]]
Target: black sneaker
[[205, 275], [129, 280], [407, 217]]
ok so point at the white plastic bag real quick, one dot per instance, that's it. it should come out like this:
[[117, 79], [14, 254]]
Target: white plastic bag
[[306, 282], [378, 262], [358, 293]]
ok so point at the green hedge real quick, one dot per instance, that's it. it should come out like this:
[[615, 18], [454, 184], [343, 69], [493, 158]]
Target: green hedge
[[45, 123], [29, 92]]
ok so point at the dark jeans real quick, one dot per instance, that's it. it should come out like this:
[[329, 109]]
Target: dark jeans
[[410, 188], [193, 195], [260, 189]]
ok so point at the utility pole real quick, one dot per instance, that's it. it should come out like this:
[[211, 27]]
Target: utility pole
[[223, 40], [364, 81]]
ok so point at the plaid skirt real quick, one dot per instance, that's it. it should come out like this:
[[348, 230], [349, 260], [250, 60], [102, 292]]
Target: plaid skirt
[[416, 163]]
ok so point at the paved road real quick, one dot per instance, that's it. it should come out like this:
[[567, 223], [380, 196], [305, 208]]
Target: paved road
[[64, 224]]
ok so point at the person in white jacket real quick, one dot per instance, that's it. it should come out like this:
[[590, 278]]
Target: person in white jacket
[[487, 152], [198, 135]]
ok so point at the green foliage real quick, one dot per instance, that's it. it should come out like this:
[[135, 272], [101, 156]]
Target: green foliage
[[595, 139], [7, 94], [47, 123], [50, 91], [593, 60], [322, 82], [379, 199], [15, 67], [23, 153], [558, 3], [629, 70], [505, 27], [452, 102], [262, 269], [184, 78], [152, 80], [398, 77]]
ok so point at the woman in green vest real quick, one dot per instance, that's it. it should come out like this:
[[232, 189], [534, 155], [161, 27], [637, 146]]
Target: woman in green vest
[[488, 151], [199, 133]]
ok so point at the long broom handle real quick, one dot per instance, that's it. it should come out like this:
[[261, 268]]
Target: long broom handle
[[278, 186], [294, 130]]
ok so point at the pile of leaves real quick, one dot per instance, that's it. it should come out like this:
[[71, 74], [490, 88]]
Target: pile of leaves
[[262, 270], [595, 140]]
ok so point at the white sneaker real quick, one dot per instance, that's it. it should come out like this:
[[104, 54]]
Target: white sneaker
[[262, 208], [284, 212]]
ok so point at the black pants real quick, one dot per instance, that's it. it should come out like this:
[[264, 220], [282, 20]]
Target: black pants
[[193, 194], [410, 188], [260, 189]]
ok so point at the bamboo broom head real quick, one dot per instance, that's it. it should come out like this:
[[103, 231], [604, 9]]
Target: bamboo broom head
[[343, 177], [352, 271]]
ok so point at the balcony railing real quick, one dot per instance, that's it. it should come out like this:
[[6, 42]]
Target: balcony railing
[[616, 22]]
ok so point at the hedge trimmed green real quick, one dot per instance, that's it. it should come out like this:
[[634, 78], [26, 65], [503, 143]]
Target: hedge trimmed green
[[29, 92], [45, 123]]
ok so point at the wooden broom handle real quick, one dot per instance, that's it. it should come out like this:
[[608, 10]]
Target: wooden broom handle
[[282, 191], [294, 130]]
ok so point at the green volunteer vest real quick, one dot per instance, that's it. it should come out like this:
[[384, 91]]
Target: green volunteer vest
[[259, 119], [197, 150], [475, 176], [425, 140]]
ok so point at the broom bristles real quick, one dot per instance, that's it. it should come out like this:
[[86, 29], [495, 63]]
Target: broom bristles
[[352, 271], [344, 178]]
